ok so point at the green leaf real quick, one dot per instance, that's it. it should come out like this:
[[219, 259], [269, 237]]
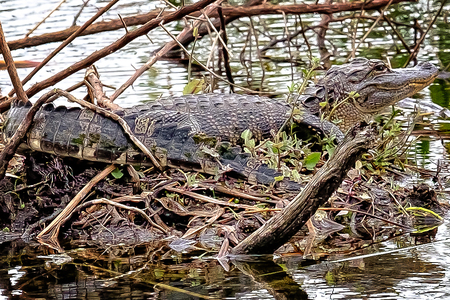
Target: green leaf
[[295, 175], [330, 149], [250, 143], [246, 135], [279, 178], [193, 87], [117, 174], [322, 104], [311, 160]]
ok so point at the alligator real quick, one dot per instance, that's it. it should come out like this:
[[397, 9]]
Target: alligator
[[176, 129]]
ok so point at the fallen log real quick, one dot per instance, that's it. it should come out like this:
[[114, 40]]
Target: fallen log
[[279, 229]]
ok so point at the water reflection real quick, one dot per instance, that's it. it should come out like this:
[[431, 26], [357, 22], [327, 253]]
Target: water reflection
[[146, 271]]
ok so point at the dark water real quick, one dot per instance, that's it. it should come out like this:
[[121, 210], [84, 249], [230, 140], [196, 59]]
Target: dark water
[[407, 267]]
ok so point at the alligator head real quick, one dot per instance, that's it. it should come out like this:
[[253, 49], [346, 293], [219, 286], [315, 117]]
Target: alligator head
[[376, 85]]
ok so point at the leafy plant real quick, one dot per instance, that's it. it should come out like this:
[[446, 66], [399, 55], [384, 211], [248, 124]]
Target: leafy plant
[[117, 173]]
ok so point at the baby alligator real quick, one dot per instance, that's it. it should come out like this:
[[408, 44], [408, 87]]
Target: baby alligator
[[176, 129]]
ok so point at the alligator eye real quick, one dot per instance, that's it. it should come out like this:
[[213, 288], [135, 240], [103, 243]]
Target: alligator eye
[[380, 68]]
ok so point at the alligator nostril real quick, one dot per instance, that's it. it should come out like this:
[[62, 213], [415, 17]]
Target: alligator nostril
[[425, 65]]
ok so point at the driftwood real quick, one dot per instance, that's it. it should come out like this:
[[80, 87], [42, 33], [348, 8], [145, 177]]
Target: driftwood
[[279, 229], [10, 66]]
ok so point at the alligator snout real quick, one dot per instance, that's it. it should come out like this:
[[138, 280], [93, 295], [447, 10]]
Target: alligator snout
[[428, 69], [427, 66]]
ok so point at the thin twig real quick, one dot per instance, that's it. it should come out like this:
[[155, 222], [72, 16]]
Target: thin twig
[[302, 31], [370, 29], [422, 37], [258, 52], [124, 24], [207, 199], [202, 65], [211, 53], [123, 206], [45, 18], [235, 193], [215, 30], [11, 67], [286, 30], [85, 3], [167, 47], [169, 4], [225, 54], [53, 228], [67, 42]]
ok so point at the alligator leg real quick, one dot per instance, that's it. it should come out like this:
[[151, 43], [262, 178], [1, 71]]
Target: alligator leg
[[257, 172]]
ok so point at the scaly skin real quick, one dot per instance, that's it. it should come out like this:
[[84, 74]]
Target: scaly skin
[[177, 128], [378, 87]]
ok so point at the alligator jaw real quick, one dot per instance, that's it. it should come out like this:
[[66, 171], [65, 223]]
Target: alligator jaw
[[373, 86], [386, 89]]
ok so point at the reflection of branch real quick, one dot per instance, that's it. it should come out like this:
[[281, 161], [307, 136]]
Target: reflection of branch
[[389, 21], [273, 42], [370, 30], [46, 17], [271, 276], [323, 27], [416, 48]]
